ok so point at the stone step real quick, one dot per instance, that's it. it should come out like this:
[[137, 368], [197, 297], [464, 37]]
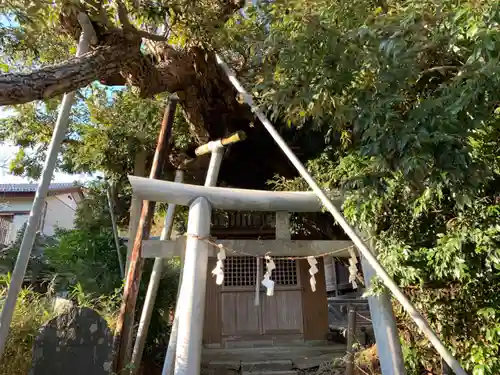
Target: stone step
[[271, 372], [266, 365]]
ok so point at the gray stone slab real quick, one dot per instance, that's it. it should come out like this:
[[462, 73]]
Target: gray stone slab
[[263, 372], [228, 365], [273, 364], [77, 342], [312, 362]]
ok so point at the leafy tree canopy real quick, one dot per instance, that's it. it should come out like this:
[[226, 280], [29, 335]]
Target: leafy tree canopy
[[402, 99], [406, 95]]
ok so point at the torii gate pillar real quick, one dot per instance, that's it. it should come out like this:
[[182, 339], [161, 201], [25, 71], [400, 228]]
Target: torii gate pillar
[[191, 303]]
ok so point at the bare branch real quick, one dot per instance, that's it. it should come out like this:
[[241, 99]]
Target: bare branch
[[99, 11], [441, 69], [123, 16], [146, 35]]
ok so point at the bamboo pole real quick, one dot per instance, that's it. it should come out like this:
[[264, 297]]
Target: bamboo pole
[[86, 38], [154, 283], [135, 205], [335, 212], [125, 324], [109, 192]]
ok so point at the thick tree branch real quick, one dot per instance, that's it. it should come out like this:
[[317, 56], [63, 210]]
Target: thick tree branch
[[57, 80], [119, 57]]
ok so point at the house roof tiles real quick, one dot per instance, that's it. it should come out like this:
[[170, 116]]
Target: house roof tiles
[[31, 188]]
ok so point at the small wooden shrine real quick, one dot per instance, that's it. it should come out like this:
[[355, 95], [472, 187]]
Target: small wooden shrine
[[240, 312]]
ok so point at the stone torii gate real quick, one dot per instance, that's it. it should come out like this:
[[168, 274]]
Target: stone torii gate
[[201, 200]]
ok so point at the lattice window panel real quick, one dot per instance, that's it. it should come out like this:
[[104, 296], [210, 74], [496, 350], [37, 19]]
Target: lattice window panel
[[241, 271], [285, 272]]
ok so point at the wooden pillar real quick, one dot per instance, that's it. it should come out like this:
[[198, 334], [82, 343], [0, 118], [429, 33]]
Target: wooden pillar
[[351, 338], [125, 324], [283, 225]]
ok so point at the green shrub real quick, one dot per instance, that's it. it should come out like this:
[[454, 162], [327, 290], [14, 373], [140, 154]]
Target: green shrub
[[32, 311]]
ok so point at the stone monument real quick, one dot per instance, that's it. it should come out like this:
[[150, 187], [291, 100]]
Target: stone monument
[[77, 342]]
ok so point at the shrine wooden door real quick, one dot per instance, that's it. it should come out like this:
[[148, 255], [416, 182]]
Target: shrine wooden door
[[275, 316]]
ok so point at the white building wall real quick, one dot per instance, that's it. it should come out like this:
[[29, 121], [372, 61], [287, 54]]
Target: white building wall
[[17, 224], [60, 212]]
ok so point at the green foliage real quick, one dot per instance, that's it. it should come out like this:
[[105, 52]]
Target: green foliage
[[93, 212], [119, 126], [30, 35], [107, 130], [107, 305], [43, 32], [38, 270], [88, 258], [406, 96], [159, 329], [32, 311]]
